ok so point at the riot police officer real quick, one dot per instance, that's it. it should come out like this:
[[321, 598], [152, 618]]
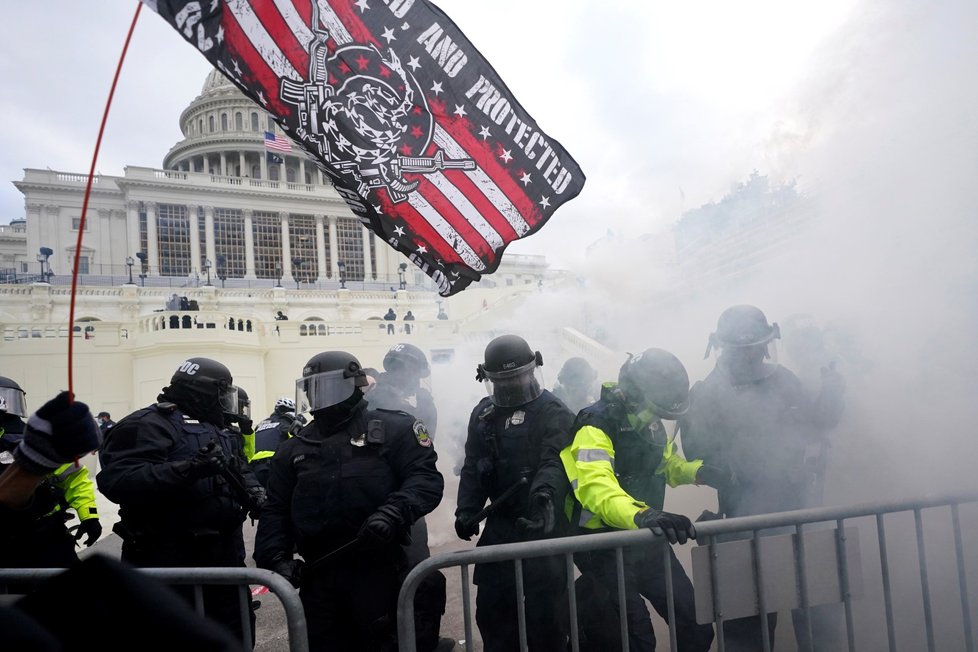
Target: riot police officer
[[343, 493], [514, 436], [404, 387], [750, 416], [619, 464], [176, 473], [270, 433]]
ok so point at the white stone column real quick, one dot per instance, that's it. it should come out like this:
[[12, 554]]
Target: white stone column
[[194, 238], [334, 271], [263, 163], [209, 236], [286, 246], [320, 248], [152, 238], [382, 263], [224, 165], [242, 165], [367, 263], [132, 228], [302, 170], [249, 245]]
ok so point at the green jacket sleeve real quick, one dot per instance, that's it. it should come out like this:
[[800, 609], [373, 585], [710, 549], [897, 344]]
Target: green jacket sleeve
[[675, 468], [590, 462], [79, 489]]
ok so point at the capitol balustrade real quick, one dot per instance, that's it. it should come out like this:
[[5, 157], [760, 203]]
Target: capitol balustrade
[[205, 180]]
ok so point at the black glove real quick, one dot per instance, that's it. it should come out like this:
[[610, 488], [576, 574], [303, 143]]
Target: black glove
[[256, 500], [290, 569], [541, 513], [90, 528], [464, 528], [382, 526], [674, 527], [247, 426], [57, 433], [707, 516], [208, 461], [713, 476]]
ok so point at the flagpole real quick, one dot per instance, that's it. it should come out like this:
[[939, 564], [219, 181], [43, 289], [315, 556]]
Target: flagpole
[[84, 211]]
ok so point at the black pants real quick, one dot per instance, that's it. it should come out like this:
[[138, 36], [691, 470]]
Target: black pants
[[352, 606], [222, 604], [546, 611], [644, 577]]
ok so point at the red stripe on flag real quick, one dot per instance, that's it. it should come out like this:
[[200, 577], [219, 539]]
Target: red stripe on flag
[[459, 129], [466, 186], [282, 34], [462, 226], [261, 78], [304, 9], [417, 227], [361, 34]]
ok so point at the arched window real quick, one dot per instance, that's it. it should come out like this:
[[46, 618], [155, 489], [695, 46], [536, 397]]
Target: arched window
[[273, 172], [290, 175], [256, 171], [238, 121], [254, 122], [308, 177], [210, 123], [224, 122], [200, 126]]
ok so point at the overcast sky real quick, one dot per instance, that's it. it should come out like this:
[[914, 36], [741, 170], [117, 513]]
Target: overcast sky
[[664, 105]]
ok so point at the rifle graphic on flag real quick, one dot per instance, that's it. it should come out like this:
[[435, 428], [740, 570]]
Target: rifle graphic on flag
[[411, 124]]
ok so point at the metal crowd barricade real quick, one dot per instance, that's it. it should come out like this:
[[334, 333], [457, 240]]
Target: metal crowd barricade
[[870, 564], [200, 577]]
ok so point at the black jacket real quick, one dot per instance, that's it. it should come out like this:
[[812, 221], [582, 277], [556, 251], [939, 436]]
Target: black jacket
[[503, 446], [325, 482], [145, 461], [759, 432]]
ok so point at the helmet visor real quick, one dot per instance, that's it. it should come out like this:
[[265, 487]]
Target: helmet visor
[[514, 387], [228, 398], [746, 364], [13, 401], [323, 390], [244, 410]]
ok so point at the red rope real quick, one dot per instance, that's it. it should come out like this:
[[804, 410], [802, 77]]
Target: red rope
[[88, 192]]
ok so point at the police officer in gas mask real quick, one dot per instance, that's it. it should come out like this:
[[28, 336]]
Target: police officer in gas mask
[[343, 493], [512, 459], [177, 475]]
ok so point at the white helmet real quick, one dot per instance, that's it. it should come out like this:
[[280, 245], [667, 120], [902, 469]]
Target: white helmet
[[285, 404]]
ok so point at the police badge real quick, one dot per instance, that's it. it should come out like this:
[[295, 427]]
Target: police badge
[[421, 433]]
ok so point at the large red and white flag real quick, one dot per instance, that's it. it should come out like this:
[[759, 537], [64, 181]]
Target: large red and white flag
[[413, 126]]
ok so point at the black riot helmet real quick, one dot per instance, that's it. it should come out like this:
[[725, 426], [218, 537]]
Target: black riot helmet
[[655, 379], [576, 372], [328, 379], [407, 360], [510, 371], [742, 326], [12, 398], [208, 382]]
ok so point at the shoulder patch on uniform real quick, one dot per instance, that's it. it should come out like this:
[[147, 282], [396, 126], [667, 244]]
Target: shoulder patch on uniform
[[421, 433]]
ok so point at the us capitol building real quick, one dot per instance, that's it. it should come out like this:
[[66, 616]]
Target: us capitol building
[[197, 258]]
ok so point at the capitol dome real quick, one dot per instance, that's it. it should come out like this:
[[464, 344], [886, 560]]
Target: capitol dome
[[224, 135]]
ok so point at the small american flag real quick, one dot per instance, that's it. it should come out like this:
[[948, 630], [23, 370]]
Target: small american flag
[[277, 142]]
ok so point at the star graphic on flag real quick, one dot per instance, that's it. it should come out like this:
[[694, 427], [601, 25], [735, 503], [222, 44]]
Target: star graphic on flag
[[545, 202], [506, 156], [362, 4], [414, 64], [436, 88], [525, 178], [362, 62], [377, 208], [399, 230], [220, 34], [484, 132], [422, 249], [388, 34], [237, 68], [460, 110], [261, 98]]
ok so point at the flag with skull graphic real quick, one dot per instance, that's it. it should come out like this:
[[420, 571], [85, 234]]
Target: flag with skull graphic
[[411, 124]]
